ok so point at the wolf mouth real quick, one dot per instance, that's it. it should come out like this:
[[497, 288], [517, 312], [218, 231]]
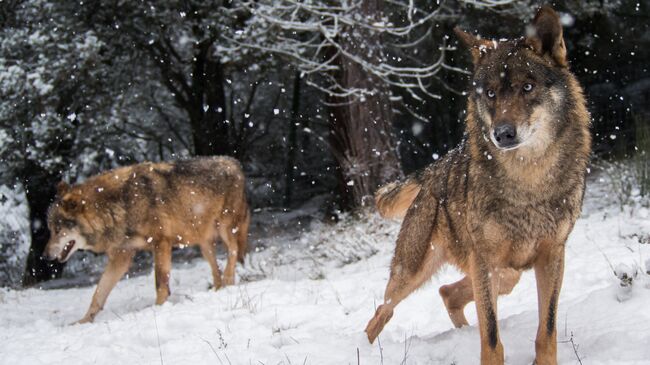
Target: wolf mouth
[[507, 148], [522, 142], [66, 251]]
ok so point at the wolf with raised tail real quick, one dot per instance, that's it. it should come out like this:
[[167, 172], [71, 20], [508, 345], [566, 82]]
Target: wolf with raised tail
[[152, 206], [506, 199]]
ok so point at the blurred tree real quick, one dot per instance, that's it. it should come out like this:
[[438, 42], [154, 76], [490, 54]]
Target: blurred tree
[[362, 115], [186, 42], [49, 99], [357, 54]]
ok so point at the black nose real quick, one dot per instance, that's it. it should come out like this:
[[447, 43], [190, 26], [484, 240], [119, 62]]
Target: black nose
[[505, 135]]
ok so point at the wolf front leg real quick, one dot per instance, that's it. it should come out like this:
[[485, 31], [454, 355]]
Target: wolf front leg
[[401, 284], [549, 271], [162, 260], [486, 309], [118, 265]]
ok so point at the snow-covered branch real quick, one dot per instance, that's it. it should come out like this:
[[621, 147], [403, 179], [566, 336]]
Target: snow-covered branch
[[318, 37]]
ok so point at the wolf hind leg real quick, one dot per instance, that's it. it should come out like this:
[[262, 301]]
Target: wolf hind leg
[[208, 252], [118, 265], [227, 234], [457, 295], [400, 285], [162, 257], [242, 235]]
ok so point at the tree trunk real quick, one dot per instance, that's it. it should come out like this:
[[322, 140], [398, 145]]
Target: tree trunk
[[361, 127], [210, 129], [292, 142], [40, 188]]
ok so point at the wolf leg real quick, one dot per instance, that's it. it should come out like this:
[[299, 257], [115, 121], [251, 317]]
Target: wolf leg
[[457, 295], [400, 285], [242, 235], [118, 265], [549, 270], [162, 261], [486, 308], [207, 250], [229, 239]]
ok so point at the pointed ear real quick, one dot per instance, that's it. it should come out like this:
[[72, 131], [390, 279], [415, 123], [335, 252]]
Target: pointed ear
[[62, 188], [544, 35], [477, 46], [70, 204]]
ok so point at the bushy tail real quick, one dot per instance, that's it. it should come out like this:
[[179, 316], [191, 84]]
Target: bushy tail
[[394, 199]]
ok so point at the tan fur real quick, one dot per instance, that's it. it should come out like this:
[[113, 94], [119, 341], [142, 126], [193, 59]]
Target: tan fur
[[494, 211], [153, 206]]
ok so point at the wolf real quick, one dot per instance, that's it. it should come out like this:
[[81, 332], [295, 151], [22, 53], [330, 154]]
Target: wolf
[[505, 199], [152, 206]]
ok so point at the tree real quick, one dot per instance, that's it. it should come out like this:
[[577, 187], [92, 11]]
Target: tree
[[357, 55], [187, 43], [48, 107]]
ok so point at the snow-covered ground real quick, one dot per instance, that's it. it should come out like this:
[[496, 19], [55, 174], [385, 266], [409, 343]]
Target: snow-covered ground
[[305, 299]]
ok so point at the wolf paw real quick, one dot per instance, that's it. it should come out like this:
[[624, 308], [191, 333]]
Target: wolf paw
[[86, 319], [377, 323]]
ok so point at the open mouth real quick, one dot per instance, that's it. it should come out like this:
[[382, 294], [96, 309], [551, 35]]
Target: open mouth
[[66, 251]]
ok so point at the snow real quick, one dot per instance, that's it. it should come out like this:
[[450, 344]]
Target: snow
[[306, 298]]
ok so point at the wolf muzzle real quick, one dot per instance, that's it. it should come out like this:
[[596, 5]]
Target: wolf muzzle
[[505, 135]]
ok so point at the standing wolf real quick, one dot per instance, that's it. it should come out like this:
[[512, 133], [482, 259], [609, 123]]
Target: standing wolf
[[152, 206], [506, 199]]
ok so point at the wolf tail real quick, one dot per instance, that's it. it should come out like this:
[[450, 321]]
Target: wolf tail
[[394, 199]]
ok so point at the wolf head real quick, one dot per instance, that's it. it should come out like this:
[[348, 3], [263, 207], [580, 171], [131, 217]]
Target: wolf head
[[66, 233], [520, 87]]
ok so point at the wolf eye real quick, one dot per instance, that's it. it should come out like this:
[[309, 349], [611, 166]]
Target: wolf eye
[[490, 94], [528, 87]]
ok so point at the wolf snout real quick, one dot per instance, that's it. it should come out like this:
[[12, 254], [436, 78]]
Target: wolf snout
[[48, 256], [57, 253], [505, 135]]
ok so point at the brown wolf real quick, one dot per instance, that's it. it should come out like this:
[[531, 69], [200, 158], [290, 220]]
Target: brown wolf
[[152, 206], [507, 197]]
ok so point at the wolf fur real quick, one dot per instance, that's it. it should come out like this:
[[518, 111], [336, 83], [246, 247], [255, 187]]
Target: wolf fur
[[152, 206], [506, 199]]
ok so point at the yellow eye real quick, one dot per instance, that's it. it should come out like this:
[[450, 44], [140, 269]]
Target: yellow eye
[[528, 87]]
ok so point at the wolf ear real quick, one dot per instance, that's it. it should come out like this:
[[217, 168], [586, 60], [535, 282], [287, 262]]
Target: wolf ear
[[70, 204], [62, 188], [544, 35], [477, 46]]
